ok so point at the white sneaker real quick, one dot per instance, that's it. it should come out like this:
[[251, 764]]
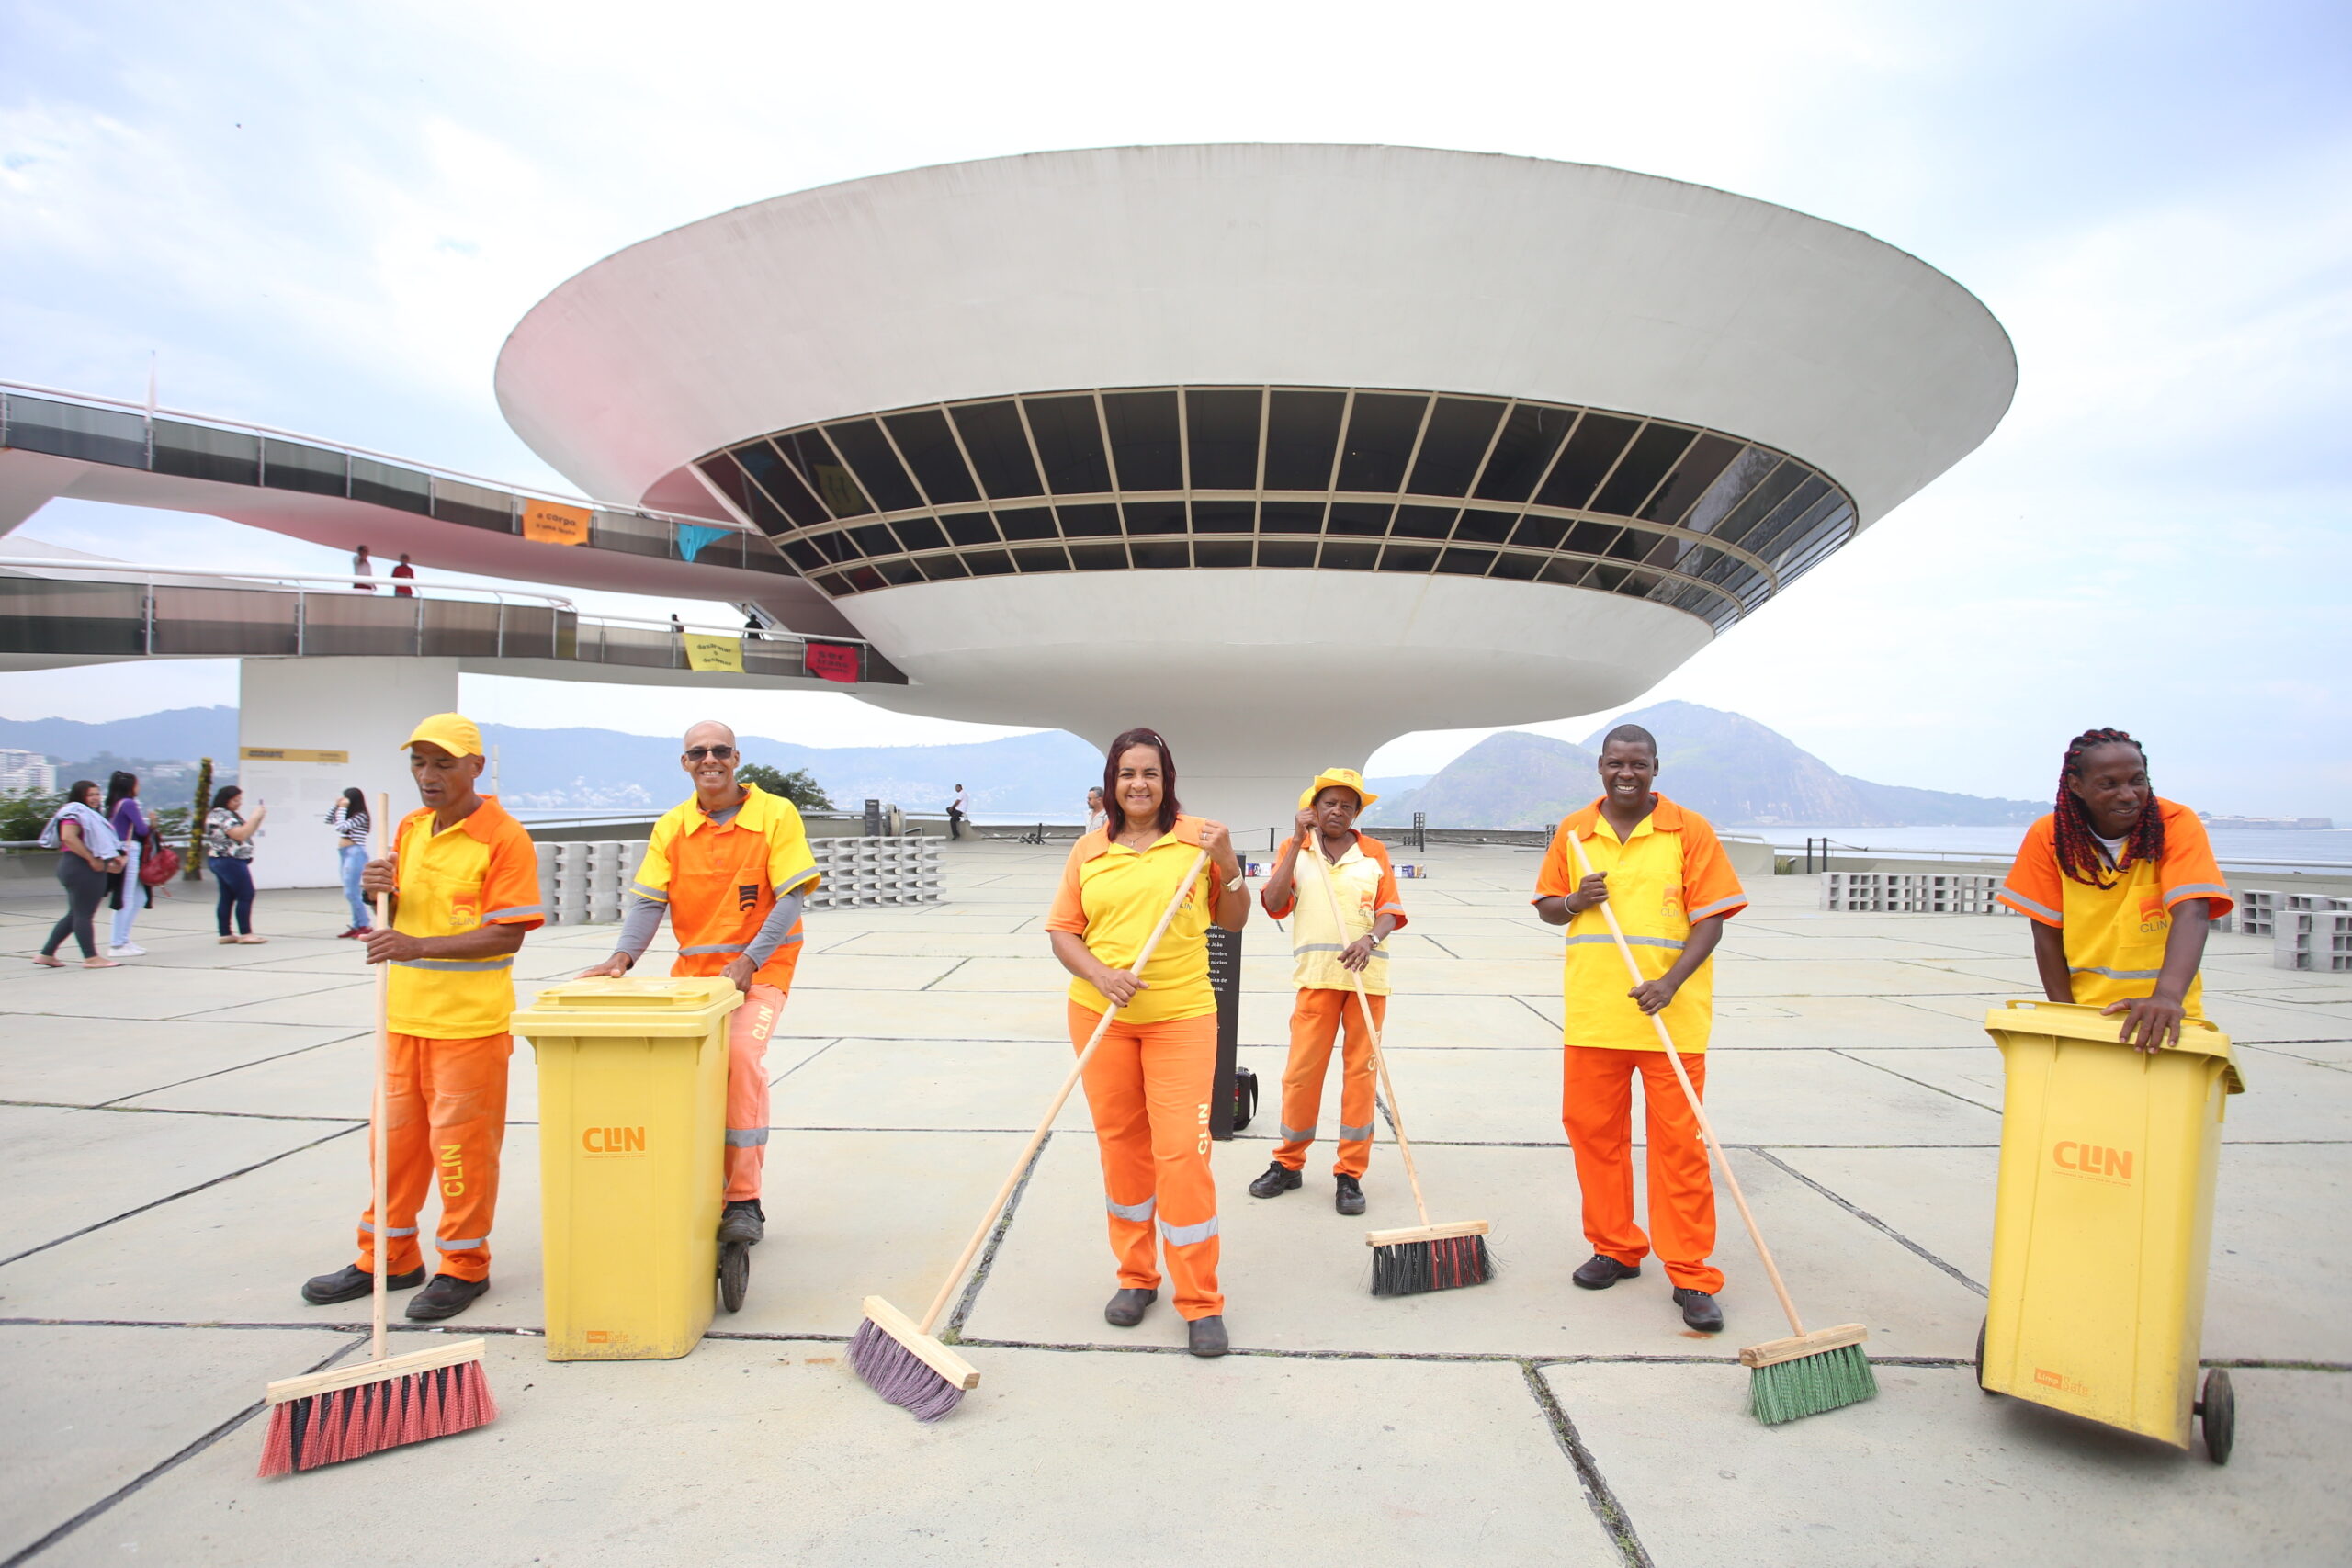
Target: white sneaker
[[127, 950]]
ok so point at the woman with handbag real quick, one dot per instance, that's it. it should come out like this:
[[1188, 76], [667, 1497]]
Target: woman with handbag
[[125, 892], [88, 851], [1149, 1085]]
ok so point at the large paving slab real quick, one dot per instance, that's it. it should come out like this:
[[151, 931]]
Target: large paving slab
[[777, 1453], [971, 1084], [1933, 1472], [69, 1061]]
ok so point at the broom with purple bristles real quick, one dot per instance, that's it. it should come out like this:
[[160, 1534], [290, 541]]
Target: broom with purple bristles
[[352, 1412], [896, 1354], [1421, 1258]]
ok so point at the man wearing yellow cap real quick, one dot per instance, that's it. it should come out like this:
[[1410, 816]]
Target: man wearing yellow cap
[[1328, 958], [464, 881]]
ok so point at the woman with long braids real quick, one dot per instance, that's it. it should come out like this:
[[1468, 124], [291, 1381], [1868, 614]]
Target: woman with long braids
[[1150, 1084], [2122, 887]]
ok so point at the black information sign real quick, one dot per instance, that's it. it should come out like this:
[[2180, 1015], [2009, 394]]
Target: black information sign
[[1225, 979], [873, 819]]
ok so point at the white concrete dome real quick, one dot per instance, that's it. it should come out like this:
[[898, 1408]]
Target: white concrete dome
[[1508, 305]]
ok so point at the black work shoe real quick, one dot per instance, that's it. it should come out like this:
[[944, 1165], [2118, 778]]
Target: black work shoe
[[1602, 1271], [1207, 1337], [1349, 1199], [1127, 1307], [1279, 1179], [445, 1297], [1700, 1311], [350, 1282], [744, 1221]]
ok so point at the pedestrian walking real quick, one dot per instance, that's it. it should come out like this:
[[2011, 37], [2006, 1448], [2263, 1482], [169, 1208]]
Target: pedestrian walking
[[958, 809], [464, 884], [1095, 816], [350, 818], [126, 894], [229, 854], [1150, 1084], [1661, 868], [88, 852], [2122, 889], [1326, 962], [731, 868]]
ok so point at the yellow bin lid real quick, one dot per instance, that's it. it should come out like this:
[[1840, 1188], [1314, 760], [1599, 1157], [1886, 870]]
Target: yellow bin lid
[[665, 1009], [2080, 1021]]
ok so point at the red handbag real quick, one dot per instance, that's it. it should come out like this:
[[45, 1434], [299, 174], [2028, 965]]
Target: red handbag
[[158, 865]]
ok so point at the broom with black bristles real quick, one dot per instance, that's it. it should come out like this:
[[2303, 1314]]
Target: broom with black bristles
[[1807, 1373], [896, 1355], [1417, 1257], [383, 1403]]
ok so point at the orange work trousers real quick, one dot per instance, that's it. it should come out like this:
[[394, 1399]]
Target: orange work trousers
[[1314, 1022], [747, 1089], [1597, 1109], [1149, 1089], [446, 1122]]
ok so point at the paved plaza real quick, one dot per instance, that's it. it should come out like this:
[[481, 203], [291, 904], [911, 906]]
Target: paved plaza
[[183, 1148]]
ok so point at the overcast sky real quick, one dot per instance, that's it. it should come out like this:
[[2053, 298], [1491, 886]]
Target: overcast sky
[[327, 218]]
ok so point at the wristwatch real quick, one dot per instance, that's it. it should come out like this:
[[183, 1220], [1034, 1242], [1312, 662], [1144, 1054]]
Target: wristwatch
[[1239, 878]]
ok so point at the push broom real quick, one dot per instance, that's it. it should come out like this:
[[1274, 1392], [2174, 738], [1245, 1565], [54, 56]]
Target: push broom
[[897, 1356], [1805, 1373], [1417, 1257], [352, 1412]]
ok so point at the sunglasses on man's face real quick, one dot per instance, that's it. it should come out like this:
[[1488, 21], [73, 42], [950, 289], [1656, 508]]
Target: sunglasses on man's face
[[696, 753]]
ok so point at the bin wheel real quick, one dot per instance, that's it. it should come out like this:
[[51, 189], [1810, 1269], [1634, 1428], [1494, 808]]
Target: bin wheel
[[2218, 1410], [1980, 1357], [734, 1274]]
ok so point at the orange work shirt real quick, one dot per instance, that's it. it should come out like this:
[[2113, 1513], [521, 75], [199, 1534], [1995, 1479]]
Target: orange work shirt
[[2115, 936], [1111, 896], [1664, 878], [721, 879]]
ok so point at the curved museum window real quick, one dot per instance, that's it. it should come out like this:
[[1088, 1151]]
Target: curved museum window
[[1297, 477]]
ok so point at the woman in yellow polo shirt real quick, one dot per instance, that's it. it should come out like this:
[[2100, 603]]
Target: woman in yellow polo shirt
[[1149, 1085], [2122, 888]]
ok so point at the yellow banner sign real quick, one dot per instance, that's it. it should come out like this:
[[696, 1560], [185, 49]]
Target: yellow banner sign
[[714, 653], [289, 754], [548, 522]]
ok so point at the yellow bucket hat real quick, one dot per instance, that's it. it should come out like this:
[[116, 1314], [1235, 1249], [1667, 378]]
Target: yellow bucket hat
[[1346, 778], [453, 732]]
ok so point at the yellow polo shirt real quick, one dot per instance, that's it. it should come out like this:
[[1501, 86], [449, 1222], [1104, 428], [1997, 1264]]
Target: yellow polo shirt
[[482, 871], [1112, 897]]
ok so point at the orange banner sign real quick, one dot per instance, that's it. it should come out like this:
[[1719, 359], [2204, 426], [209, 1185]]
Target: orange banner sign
[[548, 522]]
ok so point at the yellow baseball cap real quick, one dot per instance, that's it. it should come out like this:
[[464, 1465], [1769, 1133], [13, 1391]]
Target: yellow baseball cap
[[1346, 778], [453, 732]]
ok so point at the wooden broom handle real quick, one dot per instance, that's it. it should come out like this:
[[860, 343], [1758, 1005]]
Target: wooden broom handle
[[1020, 1162], [1314, 847], [1698, 1110], [381, 1119]]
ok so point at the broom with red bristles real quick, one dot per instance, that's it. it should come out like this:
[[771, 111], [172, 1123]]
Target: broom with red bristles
[[351, 1412], [896, 1355]]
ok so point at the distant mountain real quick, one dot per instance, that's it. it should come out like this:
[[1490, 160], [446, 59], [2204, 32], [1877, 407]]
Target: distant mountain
[[1732, 770]]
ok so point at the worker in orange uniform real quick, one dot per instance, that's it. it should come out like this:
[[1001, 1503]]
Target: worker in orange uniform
[[2122, 889], [732, 868], [1661, 868], [1326, 962], [1150, 1084], [464, 884]]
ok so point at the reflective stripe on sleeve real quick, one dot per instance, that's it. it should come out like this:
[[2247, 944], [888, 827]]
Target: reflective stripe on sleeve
[[1355, 1134], [1720, 906], [2196, 890], [1667, 942], [2031, 907], [803, 880], [1187, 1235], [456, 965], [746, 1137], [1139, 1212], [650, 895]]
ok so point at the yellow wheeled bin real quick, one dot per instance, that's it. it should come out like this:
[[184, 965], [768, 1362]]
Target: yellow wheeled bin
[[2103, 1221], [632, 1140]]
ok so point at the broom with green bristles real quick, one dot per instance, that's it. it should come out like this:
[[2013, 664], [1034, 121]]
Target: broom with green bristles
[[1414, 1259], [351, 1412], [1805, 1373]]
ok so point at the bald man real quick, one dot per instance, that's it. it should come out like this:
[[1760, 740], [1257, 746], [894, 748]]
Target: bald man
[[731, 867]]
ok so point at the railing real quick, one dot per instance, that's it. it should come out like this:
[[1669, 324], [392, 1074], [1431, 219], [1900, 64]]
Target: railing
[[190, 446], [249, 617]]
